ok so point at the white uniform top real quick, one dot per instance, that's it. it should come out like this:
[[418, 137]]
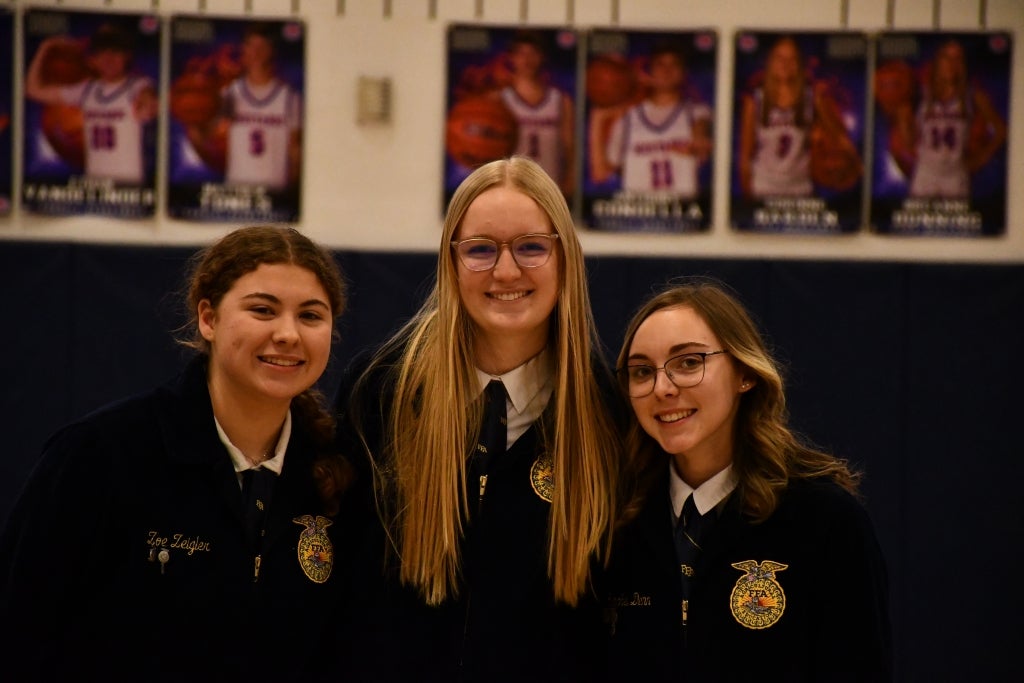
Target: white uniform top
[[781, 164], [262, 121], [940, 170], [112, 134], [643, 143], [539, 128]]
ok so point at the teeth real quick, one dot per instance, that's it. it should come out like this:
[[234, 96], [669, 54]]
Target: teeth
[[675, 417], [508, 296], [280, 361]]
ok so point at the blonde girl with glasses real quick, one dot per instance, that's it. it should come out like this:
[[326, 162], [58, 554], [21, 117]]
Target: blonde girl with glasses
[[491, 561], [742, 549]]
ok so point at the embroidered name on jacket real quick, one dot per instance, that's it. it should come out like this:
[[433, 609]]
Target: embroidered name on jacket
[[190, 544], [757, 600]]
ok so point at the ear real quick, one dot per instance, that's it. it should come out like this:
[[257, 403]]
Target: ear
[[747, 384], [206, 317]]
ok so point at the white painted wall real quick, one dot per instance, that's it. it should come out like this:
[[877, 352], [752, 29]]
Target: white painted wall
[[379, 188]]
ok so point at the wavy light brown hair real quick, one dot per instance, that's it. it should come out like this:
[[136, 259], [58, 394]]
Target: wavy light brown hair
[[767, 453], [427, 442], [213, 272]]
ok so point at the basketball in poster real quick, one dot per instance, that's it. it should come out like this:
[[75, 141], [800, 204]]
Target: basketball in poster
[[650, 99], [236, 101], [941, 114], [510, 91], [798, 132], [91, 112]]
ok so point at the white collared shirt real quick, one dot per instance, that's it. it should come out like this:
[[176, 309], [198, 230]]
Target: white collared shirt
[[242, 463], [706, 496], [529, 388]]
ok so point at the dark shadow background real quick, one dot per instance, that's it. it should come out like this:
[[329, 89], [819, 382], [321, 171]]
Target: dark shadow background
[[910, 370]]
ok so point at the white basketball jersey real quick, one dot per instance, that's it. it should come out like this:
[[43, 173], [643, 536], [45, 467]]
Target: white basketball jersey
[[263, 119], [539, 128], [943, 128], [112, 134], [781, 165], [645, 144]]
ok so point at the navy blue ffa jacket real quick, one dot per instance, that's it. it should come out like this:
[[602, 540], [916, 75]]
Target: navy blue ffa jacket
[[126, 557], [799, 597], [504, 625]]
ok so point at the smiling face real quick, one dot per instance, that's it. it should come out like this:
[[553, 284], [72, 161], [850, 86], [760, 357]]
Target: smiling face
[[695, 424], [510, 305], [270, 335]]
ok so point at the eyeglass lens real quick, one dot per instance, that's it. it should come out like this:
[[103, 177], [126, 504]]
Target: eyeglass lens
[[529, 251], [683, 371]]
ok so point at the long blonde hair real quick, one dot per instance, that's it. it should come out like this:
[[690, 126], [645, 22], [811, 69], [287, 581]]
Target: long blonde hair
[[767, 453], [434, 418]]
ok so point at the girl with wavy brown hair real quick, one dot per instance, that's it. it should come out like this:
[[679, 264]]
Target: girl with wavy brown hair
[[740, 544]]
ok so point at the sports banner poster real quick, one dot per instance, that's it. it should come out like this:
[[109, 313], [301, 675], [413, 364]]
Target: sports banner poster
[[236, 118], [510, 91], [941, 115], [798, 132], [91, 112], [6, 102], [650, 99]]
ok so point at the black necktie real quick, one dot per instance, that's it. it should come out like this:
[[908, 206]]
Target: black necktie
[[493, 432], [689, 533], [257, 489]]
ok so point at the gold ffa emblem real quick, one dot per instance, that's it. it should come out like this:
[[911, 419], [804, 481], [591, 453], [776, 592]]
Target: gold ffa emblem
[[542, 477], [757, 600], [316, 554]]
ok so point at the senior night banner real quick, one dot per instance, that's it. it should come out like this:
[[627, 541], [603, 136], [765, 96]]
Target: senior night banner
[[510, 91], [236, 103], [6, 101], [91, 108], [798, 132], [941, 113], [650, 99]]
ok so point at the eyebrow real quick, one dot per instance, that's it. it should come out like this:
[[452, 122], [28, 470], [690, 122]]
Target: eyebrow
[[673, 350], [274, 300]]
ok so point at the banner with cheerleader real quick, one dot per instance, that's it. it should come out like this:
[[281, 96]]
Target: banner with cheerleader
[[236, 118], [940, 155], [91, 112], [798, 132], [510, 91], [650, 99], [6, 108]]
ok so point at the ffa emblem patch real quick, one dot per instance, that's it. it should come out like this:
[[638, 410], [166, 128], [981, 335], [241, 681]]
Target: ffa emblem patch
[[542, 477], [757, 600], [316, 554]]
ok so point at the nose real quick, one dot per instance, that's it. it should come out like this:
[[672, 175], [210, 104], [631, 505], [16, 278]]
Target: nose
[[663, 386], [286, 331], [506, 267]]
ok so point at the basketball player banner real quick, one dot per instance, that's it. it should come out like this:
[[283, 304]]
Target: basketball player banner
[[650, 99], [941, 111], [510, 91], [91, 112], [6, 101], [236, 118], [798, 132]]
